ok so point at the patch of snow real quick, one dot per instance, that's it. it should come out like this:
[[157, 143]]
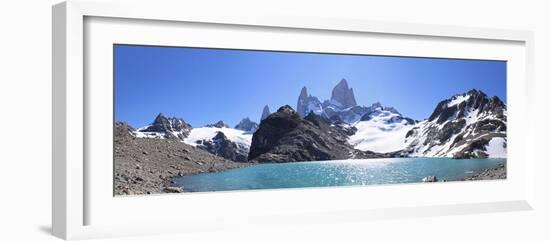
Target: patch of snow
[[139, 133], [458, 99], [241, 138], [379, 136], [496, 148], [316, 107], [335, 103], [472, 117]]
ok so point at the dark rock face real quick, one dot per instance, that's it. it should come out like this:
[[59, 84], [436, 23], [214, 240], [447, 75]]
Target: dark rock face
[[247, 125], [463, 124], [339, 129], [223, 147], [170, 127], [343, 94], [285, 137], [265, 113], [218, 124]]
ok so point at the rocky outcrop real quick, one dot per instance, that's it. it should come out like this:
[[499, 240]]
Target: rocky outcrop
[[265, 112], [221, 146], [343, 95], [123, 131], [285, 137], [429, 179], [333, 126], [166, 127], [247, 125]]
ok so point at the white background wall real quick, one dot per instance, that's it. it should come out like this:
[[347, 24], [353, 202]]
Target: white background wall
[[25, 119]]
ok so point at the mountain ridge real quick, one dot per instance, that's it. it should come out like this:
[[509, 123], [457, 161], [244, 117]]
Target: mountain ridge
[[466, 125]]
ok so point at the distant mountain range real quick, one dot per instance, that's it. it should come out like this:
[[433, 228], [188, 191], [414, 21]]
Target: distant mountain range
[[467, 125]]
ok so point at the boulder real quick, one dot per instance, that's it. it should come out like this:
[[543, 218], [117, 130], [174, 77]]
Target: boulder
[[429, 179]]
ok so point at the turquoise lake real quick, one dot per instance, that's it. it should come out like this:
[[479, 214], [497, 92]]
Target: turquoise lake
[[336, 173]]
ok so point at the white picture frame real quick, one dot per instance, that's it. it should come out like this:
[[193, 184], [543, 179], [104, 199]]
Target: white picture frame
[[78, 197]]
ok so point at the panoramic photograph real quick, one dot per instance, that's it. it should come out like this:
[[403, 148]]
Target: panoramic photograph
[[202, 119]]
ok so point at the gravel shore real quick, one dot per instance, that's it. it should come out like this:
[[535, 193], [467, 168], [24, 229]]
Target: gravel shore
[[498, 172], [148, 166]]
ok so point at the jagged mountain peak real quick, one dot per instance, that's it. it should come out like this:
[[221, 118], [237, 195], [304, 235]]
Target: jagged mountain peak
[[160, 115], [307, 103], [344, 83], [343, 95], [166, 127], [303, 92], [160, 118], [172, 123], [265, 112], [341, 106]]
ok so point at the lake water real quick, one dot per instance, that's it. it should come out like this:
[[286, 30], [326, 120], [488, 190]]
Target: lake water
[[336, 173]]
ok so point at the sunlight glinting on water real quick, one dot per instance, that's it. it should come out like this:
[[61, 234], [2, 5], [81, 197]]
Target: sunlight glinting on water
[[336, 173]]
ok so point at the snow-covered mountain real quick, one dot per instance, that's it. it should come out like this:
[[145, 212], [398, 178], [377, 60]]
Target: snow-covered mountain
[[342, 95], [216, 138], [226, 142], [308, 103], [381, 129], [165, 128], [468, 125]]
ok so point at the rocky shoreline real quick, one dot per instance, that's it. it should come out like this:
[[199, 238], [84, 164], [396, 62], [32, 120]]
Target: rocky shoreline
[[149, 166], [498, 172]]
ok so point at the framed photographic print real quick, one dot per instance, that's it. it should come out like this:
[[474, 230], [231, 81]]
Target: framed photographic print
[[225, 120]]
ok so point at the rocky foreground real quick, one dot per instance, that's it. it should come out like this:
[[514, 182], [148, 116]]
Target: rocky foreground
[[148, 166], [498, 172]]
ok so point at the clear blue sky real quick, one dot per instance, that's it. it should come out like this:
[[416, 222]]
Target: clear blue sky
[[206, 85]]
